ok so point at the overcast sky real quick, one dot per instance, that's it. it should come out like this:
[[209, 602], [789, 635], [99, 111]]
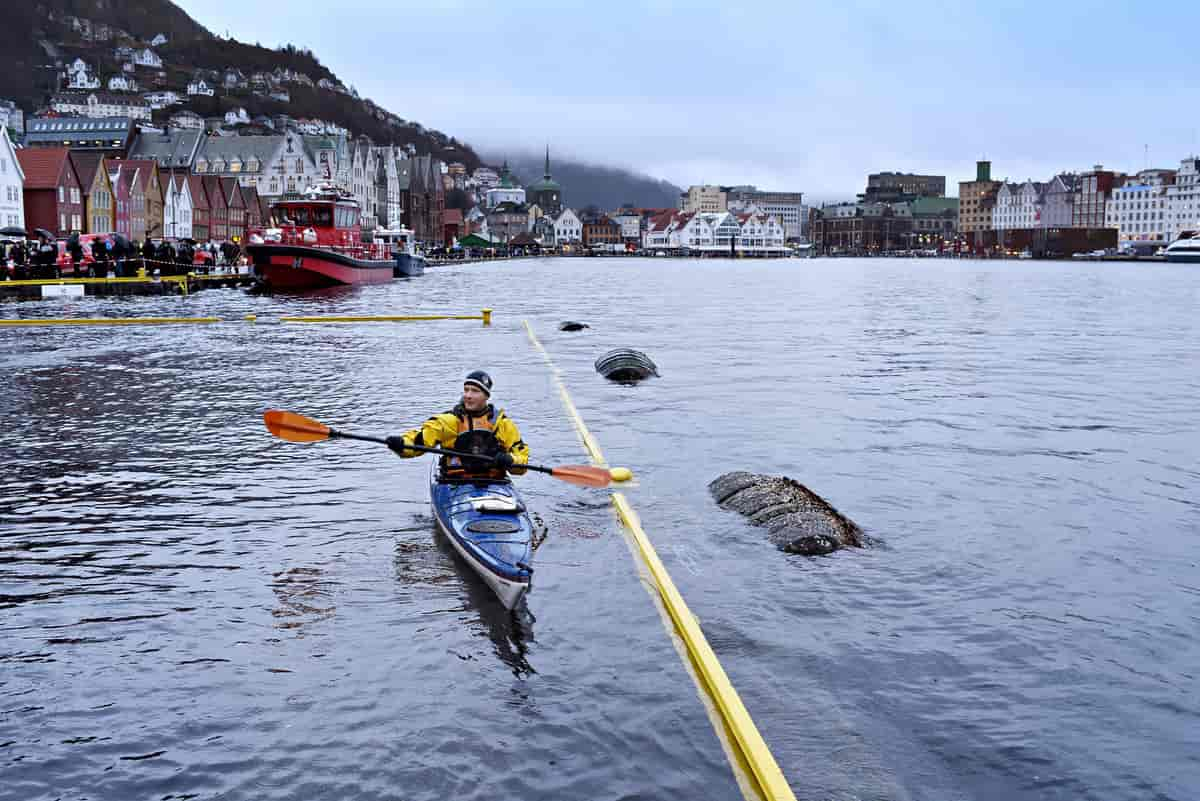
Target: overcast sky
[[785, 95]]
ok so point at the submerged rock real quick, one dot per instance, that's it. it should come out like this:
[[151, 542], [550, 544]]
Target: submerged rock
[[626, 365], [797, 519], [571, 325]]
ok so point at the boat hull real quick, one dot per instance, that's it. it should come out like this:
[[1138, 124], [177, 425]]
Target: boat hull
[[497, 545], [409, 266], [1186, 257], [295, 267]]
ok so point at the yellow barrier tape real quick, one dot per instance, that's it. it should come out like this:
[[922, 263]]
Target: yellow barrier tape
[[178, 279], [380, 318], [109, 321], [249, 318], [485, 315], [753, 752]]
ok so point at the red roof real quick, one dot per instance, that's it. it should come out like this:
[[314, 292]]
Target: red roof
[[43, 166], [452, 217], [661, 221]]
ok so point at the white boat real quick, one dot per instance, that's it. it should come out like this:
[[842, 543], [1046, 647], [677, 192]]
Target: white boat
[[409, 262], [1185, 249]]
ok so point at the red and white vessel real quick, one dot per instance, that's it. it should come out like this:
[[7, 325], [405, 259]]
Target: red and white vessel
[[316, 241]]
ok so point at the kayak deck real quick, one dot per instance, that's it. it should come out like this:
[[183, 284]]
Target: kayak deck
[[488, 526]]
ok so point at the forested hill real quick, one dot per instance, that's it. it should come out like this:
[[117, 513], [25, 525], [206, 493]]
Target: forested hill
[[585, 184], [39, 37]]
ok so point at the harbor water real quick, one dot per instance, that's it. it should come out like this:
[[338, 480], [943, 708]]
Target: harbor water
[[191, 608]]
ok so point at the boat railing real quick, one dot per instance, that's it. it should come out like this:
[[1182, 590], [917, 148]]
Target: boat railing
[[370, 251]]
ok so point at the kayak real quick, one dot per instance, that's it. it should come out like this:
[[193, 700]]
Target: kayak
[[486, 522]]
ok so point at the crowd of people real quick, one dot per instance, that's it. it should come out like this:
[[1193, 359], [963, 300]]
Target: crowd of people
[[110, 256]]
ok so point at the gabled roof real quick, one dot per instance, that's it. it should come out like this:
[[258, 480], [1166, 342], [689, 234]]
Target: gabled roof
[[127, 181], [143, 169], [199, 196], [43, 166], [250, 197], [216, 195], [87, 164], [233, 194]]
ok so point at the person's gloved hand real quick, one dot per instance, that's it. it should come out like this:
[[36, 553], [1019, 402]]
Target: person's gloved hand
[[396, 444], [504, 460]]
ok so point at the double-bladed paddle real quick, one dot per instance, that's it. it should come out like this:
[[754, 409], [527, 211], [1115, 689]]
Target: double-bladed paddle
[[298, 428]]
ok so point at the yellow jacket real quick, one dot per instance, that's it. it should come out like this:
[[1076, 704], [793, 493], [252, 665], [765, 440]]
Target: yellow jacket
[[442, 430]]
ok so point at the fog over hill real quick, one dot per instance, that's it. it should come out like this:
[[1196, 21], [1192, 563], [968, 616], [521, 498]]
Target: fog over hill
[[586, 184]]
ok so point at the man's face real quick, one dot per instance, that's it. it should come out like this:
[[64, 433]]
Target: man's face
[[474, 398]]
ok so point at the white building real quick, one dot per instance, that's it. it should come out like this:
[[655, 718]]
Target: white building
[[787, 206], [12, 184], [567, 227], [761, 233], [1138, 210], [237, 116], [504, 194], [485, 178], [188, 120], [122, 83], [200, 87], [1058, 201], [631, 225], [177, 207], [162, 99], [147, 58], [1018, 206], [101, 104], [11, 116], [716, 232], [1183, 199], [79, 76]]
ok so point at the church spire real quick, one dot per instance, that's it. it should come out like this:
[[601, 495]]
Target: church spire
[[547, 175]]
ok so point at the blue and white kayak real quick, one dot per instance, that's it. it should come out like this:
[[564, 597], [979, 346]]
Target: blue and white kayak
[[488, 525]]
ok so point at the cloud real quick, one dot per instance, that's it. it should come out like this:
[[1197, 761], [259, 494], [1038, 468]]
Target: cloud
[[807, 97]]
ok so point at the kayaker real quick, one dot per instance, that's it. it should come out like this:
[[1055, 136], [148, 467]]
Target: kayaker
[[475, 426]]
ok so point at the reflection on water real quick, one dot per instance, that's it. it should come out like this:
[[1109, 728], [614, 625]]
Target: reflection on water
[[305, 597]]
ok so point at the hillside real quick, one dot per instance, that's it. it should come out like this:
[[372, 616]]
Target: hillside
[[591, 184], [40, 37]]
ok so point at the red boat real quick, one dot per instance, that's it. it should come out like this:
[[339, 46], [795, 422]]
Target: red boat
[[316, 242]]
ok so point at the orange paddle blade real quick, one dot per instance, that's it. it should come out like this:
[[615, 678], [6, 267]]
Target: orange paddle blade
[[583, 475], [295, 427]]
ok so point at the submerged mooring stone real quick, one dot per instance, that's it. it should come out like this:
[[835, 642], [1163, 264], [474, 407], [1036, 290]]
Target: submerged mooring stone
[[571, 325], [797, 519]]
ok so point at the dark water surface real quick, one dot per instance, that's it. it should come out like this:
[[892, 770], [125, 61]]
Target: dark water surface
[[190, 608]]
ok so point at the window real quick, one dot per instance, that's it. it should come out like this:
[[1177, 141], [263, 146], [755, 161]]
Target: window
[[61, 197]]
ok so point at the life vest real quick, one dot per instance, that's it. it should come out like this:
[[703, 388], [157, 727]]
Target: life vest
[[475, 435]]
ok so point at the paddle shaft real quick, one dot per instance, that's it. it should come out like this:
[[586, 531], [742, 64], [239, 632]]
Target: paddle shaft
[[440, 451]]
